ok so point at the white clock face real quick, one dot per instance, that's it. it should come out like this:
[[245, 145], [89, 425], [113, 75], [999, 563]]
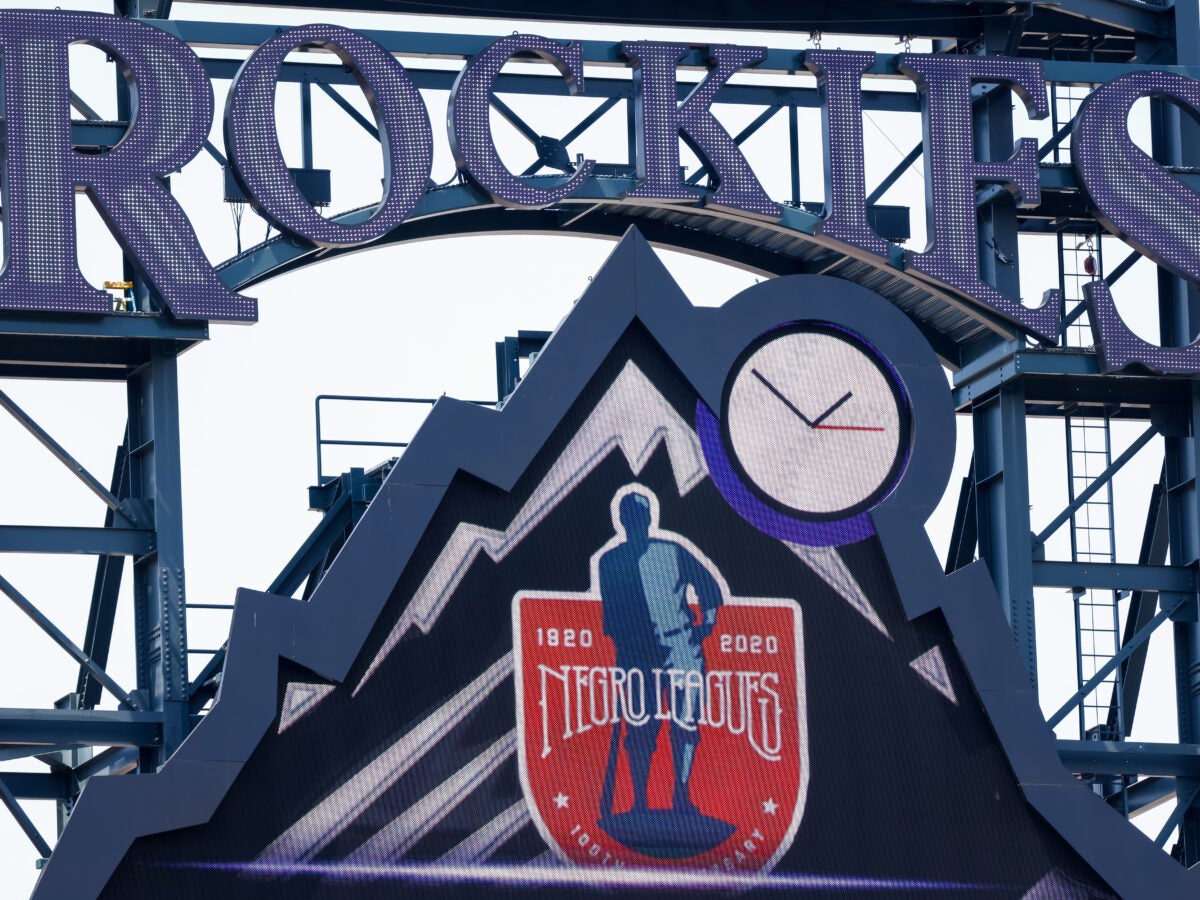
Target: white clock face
[[816, 422]]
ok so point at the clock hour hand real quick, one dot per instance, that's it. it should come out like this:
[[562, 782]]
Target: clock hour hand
[[821, 418], [786, 402]]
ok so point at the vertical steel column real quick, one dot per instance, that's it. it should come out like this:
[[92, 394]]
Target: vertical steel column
[[1179, 312], [1183, 517], [794, 152], [160, 629], [1001, 465], [306, 124], [159, 599], [1002, 489], [72, 759]]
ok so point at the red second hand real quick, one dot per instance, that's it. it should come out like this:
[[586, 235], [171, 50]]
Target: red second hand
[[849, 428]]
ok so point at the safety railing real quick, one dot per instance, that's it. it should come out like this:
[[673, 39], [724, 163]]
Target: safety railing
[[323, 442]]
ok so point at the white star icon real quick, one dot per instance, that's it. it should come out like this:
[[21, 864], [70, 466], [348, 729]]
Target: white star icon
[[561, 800], [770, 806]]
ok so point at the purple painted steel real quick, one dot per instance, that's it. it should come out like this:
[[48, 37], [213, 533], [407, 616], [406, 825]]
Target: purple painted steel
[[839, 78], [1138, 200], [41, 169], [1119, 347], [252, 139], [661, 121], [469, 120], [952, 174]]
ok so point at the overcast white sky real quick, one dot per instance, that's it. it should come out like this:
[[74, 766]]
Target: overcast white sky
[[418, 320]]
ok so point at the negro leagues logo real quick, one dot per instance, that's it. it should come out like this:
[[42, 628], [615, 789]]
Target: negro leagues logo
[[661, 720]]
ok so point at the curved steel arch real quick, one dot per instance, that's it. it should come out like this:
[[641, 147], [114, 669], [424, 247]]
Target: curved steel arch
[[790, 246]]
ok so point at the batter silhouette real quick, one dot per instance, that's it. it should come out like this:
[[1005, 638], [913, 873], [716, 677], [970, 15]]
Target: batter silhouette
[[644, 584]]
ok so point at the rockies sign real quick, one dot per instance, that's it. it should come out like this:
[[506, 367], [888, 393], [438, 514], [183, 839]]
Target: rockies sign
[[1135, 197], [668, 622]]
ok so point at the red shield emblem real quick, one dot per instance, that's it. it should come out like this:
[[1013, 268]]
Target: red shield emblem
[[685, 766]]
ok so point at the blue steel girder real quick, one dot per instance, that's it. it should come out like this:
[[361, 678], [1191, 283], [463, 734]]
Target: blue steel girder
[[1057, 381], [1175, 142], [598, 87], [76, 539], [1130, 757], [1120, 576], [1127, 649], [464, 209], [1183, 509], [127, 514], [954, 21], [343, 501], [59, 637], [1002, 497], [37, 730], [54, 785], [102, 348], [964, 534], [1143, 603], [26, 825], [105, 589], [1143, 795], [1096, 484], [1053, 382], [158, 586]]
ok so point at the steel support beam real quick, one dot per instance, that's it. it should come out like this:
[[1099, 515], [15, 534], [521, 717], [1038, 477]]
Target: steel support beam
[[55, 633], [1130, 758], [38, 785], [1002, 495], [105, 589], [23, 820], [347, 108], [160, 621], [113, 761], [92, 727], [244, 36], [1118, 576], [1109, 667], [65, 539], [583, 125], [964, 535], [759, 121], [58, 452], [1139, 19], [1144, 795], [1142, 604], [1186, 793], [1174, 141], [893, 176], [331, 529], [1100, 481], [530, 85], [1122, 267], [1183, 510]]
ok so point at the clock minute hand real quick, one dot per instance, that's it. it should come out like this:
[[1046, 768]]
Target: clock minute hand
[[786, 402], [829, 412]]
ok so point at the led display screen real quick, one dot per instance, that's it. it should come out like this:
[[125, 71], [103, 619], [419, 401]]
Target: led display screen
[[663, 656]]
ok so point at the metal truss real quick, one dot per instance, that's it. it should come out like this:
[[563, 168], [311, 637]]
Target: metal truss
[[1001, 384]]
